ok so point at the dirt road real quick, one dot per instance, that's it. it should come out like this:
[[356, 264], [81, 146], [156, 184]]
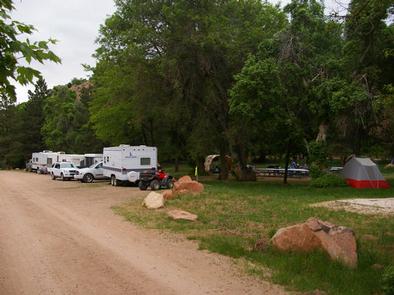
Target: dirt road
[[63, 238]]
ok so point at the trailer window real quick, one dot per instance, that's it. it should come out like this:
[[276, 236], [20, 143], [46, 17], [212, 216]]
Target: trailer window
[[145, 161]]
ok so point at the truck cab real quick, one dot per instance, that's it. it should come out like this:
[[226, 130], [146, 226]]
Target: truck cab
[[91, 173], [63, 170]]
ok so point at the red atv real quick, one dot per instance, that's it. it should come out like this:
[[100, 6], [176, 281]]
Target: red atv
[[155, 179]]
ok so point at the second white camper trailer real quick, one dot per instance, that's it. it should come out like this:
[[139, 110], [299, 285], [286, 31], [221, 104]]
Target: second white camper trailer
[[124, 163], [43, 160], [91, 159], [76, 159]]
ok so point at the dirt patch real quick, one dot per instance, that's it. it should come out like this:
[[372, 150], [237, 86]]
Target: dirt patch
[[361, 206]]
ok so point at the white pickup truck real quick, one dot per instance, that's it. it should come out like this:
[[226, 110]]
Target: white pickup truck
[[63, 170], [91, 173]]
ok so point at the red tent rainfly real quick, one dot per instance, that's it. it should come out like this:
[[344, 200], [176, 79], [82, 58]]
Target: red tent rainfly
[[363, 173]]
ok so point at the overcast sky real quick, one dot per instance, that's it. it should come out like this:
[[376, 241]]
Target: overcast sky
[[75, 24]]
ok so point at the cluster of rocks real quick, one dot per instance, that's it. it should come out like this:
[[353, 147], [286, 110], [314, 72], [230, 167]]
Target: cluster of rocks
[[184, 185], [338, 241]]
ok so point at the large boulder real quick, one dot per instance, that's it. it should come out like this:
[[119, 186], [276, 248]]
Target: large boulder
[[338, 241], [190, 187], [168, 194], [185, 178], [153, 201], [298, 237], [181, 215], [340, 244]]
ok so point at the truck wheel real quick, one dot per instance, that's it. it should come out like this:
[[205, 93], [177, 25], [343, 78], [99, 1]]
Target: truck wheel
[[53, 176], [62, 177], [142, 185], [154, 185], [114, 181], [88, 178]]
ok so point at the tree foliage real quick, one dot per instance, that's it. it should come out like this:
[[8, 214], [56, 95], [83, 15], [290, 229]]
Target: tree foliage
[[239, 78], [66, 125], [13, 50]]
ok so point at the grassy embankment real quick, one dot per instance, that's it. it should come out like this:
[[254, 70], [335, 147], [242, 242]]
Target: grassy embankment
[[232, 216]]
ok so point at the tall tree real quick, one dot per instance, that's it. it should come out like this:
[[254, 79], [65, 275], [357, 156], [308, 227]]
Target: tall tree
[[182, 55], [66, 124], [277, 88], [15, 52], [34, 117]]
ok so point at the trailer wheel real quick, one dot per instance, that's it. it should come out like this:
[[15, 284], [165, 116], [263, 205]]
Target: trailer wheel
[[154, 185], [88, 178]]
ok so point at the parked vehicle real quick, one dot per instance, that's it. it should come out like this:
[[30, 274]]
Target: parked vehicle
[[91, 159], [43, 160], [77, 160], [91, 173], [155, 180], [63, 170], [29, 166], [124, 163]]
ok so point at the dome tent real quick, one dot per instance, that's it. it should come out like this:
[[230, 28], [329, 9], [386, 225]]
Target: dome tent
[[363, 173]]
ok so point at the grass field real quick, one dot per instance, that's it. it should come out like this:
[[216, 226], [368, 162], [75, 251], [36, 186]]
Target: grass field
[[233, 215]]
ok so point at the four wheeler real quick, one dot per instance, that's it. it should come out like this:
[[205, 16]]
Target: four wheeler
[[155, 180]]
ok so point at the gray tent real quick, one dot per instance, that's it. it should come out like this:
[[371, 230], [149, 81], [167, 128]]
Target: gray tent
[[363, 173]]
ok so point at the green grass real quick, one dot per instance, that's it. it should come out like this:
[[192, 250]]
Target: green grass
[[232, 216]]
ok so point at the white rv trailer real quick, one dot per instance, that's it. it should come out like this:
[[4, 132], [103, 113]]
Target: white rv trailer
[[91, 159], [124, 163], [77, 160], [43, 160]]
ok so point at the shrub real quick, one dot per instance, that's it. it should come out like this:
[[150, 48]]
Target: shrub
[[328, 180], [388, 281], [315, 171]]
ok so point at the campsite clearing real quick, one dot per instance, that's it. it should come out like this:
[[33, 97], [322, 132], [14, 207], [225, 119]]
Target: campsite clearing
[[363, 206], [232, 216]]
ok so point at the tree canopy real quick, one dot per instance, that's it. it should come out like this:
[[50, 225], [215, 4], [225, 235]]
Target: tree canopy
[[14, 49], [245, 79]]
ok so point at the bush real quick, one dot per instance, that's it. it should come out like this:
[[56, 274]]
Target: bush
[[328, 180], [388, 281], [315, 171]]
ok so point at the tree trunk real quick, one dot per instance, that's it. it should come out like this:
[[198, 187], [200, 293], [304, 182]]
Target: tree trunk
[[322, 135], [176, 164], [151, 132], [242, 172], [223, 163], [287, 160]]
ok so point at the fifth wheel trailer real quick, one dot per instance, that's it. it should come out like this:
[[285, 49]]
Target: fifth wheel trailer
[[124, 163]]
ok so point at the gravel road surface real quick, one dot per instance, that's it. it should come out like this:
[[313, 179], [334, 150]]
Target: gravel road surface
[[63, 238]]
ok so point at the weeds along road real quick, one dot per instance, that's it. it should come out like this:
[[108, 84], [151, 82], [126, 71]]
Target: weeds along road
[[63, 238]]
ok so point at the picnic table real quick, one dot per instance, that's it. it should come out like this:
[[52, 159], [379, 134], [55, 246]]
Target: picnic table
[[276, 172]]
